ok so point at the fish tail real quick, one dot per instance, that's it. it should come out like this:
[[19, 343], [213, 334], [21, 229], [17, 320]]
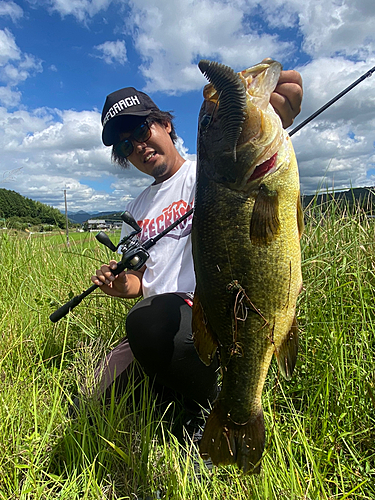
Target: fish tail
[[229, 443]]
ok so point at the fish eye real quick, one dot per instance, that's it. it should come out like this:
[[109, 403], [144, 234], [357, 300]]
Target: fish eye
[[205, 121]]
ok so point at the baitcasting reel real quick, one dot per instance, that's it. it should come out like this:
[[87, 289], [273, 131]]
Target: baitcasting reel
[[134, 256]]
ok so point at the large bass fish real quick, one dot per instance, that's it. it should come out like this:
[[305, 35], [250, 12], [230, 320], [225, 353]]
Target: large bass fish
[[246, 246]]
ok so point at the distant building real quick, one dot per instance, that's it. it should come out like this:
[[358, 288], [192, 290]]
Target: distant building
[[102, 224], [96, 224]]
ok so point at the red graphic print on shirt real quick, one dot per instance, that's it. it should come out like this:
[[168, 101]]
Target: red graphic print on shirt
[[154, 226]]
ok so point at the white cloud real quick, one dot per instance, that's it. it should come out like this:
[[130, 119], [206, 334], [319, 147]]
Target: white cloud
[[129, 185], [326, 77], [335, 157], [11, 9], [9, 98], [183, 150], [173, 35], [15, 67], [13, 74], [328, 26], [57, 148], [76, 130], [81, 9], [112, 52], [346, 27], [14, 126], [338, 145], [8, 47]]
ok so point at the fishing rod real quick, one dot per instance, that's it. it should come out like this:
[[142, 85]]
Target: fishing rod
[[332, 101], [134, 256]]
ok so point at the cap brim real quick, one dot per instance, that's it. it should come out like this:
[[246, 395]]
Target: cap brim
[[118, 124]]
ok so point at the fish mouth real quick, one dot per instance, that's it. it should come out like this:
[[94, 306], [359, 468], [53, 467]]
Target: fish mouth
[[239, 105]]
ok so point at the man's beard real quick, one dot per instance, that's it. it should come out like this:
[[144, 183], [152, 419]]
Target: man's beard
[[159, 171]]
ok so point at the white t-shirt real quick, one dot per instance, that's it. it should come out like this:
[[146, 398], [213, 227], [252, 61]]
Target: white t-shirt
[[170, 266]]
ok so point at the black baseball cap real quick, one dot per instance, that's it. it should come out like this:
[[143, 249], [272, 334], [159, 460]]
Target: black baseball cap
[[119, 112]]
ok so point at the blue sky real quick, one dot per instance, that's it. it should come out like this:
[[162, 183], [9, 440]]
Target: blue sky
[[60, 58]]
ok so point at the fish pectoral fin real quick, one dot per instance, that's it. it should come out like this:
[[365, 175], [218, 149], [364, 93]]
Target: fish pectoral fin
[[228, 443], [204, 340], [265, 223], [287, 353]]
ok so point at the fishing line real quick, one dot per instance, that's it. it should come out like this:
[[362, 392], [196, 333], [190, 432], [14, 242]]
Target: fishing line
[[332, 101]]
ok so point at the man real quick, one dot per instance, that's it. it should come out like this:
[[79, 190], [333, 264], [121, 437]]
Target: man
[[159, 327]]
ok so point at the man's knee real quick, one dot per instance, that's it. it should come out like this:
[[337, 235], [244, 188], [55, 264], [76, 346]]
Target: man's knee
[[150, 338]]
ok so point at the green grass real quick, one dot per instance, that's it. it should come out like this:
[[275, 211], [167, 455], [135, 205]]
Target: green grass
[[320, 426]]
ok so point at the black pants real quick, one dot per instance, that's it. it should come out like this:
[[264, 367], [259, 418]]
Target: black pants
[[159, 336]]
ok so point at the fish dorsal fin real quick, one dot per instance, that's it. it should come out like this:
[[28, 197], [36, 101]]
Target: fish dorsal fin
[[287, 352], [205, 341]]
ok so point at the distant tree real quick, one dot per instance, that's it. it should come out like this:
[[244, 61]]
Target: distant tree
[[17, 223], [13, 204]]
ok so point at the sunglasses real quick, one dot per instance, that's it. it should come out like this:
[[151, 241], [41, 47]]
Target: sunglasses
[[141, 133]]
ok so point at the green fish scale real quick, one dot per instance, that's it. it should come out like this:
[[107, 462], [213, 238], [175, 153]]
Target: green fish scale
[[224, 255]]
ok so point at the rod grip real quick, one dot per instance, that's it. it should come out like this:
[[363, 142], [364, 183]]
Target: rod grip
[[65, 308]]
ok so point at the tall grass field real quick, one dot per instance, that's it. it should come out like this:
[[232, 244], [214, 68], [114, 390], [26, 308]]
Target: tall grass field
[[320, 426]]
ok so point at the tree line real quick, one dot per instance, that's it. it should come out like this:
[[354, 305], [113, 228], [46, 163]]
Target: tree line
[[20, 212]]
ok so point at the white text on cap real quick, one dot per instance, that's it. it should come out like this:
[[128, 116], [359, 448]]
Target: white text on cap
[[119, 106]]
